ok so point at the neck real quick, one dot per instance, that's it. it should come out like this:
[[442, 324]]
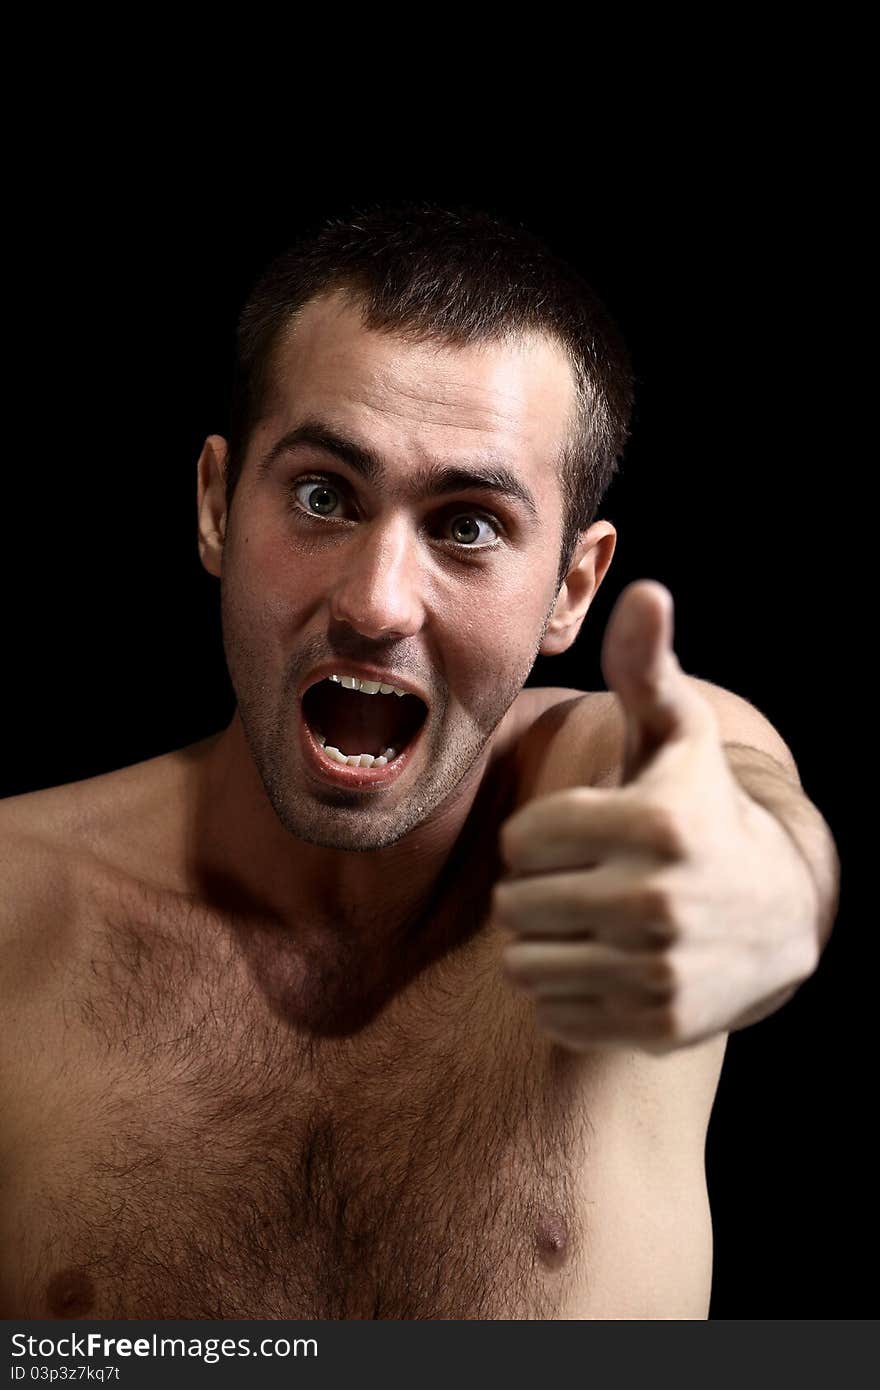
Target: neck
[[330, 935], [248, 855]]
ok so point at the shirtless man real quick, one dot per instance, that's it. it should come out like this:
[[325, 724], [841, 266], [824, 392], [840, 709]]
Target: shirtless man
[[439, 1037]]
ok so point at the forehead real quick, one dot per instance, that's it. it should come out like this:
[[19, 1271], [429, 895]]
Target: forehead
[[421, 401]]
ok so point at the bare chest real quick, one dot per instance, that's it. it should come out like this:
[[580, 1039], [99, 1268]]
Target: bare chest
[[191, 1154]]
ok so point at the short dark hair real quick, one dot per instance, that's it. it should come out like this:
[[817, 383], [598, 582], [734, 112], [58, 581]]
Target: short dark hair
[[458, 276]]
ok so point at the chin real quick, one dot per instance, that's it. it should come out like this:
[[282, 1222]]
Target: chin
[[343, 826], [357, 840]]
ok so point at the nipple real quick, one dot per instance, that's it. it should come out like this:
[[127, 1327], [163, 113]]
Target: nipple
[[551, 1239], [70, 1293]]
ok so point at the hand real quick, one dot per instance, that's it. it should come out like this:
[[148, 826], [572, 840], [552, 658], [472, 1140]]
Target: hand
[[657, 913]]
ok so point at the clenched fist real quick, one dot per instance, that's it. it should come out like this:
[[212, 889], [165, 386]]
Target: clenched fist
[[655, 913]]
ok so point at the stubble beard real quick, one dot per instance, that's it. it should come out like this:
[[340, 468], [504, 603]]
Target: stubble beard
[[354, 821], [365, 821]]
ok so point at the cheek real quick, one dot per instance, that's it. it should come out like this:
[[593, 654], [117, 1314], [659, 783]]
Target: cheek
[[502, 622], [489, 652], [268, 579]]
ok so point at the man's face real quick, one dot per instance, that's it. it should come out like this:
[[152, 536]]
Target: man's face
[[326, 567]]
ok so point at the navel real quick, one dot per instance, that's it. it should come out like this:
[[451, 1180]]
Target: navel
[[70, 1293], [551, 1240]]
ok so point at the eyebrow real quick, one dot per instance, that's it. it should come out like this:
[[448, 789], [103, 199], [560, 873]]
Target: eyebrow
[[432, 480]]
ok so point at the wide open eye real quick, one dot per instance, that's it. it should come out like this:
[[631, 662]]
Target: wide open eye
[[317, 497], [323, 496], [464, 529]]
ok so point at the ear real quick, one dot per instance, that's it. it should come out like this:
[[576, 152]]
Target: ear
[[212, 502], [591, 558]]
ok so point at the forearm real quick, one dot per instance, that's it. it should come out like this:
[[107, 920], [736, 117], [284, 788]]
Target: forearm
[[774, 788]]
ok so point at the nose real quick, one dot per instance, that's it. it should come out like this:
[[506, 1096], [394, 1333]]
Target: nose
[[376, 590]]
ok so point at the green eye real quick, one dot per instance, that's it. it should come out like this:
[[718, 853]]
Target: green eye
[[322, 499], [466, 530]]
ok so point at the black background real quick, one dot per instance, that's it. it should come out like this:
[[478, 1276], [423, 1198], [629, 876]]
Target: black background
[[124, 286]]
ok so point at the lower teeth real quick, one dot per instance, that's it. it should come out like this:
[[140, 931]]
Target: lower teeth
[[357, 759]]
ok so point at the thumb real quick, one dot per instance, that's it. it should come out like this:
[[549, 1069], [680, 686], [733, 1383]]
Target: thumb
[[639, 664]]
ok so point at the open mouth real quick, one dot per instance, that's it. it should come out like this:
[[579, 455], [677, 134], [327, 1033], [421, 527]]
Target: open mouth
[[360, 723]]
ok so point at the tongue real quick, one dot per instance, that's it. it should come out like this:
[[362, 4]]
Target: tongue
[[356, 723]]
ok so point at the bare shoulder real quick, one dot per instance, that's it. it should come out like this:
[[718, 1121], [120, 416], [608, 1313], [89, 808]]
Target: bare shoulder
[[56, 845], [37, 914], [128, 820], [31, 854], [576, 738], [565, 739], [44, 868], [38, 890]]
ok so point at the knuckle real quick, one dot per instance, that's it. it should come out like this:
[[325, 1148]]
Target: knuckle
[[666, 830], [502, 900], [654, 902], [658, 913], [578, 798], [660, 933], [508, 841], [515, 965], [661, 978]]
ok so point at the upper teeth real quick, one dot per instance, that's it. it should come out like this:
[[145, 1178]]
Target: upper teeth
[[368, 687]]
